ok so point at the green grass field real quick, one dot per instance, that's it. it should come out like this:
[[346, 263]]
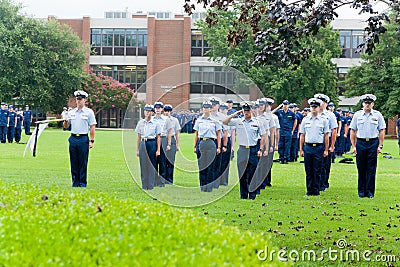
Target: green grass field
[[293, 221]]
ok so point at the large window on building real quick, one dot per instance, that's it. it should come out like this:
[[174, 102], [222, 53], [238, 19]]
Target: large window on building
[[199, 44], [119, 42], [134, 75], [349, 41], [214, 80]]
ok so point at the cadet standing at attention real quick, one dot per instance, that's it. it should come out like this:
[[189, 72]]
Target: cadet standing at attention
[[367, 135], [3, 122], [148, 147], [18, 128], [27, 120], [12, 123], [207, 145], [174, 144], [333, 125], [314, 145], [248, 129], [226, 147], [82, 121], [165, 123]]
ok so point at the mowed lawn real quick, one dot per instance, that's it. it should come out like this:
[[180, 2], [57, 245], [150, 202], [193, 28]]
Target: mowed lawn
[[294, 222]]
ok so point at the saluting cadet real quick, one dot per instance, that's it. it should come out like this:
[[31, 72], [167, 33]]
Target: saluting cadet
[[18, 128], [248, 129], [367, 135], [288, 123], [165, 123], [314, 145], [3, 122], [148, 146], [333, 125], [215, 114], [207, 144], [226, 147], [174, 144], [82, 121], [232, 110], [27, 120]]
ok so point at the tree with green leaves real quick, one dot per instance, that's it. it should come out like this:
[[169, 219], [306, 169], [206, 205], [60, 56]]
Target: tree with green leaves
[[277, 26], [41, 61], [106, 92], [379, 73], [294, 82]]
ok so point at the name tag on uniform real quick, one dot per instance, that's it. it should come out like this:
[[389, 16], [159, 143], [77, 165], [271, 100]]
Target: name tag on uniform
[[73, 116], [84, 117]]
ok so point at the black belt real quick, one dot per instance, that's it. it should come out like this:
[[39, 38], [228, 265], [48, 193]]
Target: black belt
[[249, 146], [145, 139], [314, 144], [367, 139], [206, 138], [77, 135]]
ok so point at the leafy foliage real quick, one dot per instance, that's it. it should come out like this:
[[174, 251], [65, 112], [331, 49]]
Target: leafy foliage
[[106, 92], [296, 82], [87, 228], [379, 73], [279, 38], [41, 62]]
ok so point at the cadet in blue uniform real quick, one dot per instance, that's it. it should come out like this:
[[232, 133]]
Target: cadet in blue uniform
[[231, 110], [148, 147], [27, 120], [3, 122], [398, 132], [248, 129], [165, 123], [83, 122], [18, 128], [314, 145], [367, 135], [12, 123], [288, 123], [207, 145], [173, 145], [216, 115]]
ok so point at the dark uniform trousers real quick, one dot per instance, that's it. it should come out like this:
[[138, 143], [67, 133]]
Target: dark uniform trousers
[[247, 162], [170, 161], [366, 159], [325, 171], [78, 156], [269, 161], [313, 158], [294, 153], [284, 147], [225, 162], [10, 134], [27, 127], [3, 134], [161, 164], [206, 151], [17, 136], [147, 159], [217, 166]]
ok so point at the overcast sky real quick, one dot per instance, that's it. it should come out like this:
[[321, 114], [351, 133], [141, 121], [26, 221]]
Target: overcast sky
[[96, 8]]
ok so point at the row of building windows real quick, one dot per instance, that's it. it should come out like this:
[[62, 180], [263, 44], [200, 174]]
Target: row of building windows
[[199, 44], [349, 40], [134, 75], [119, 42]]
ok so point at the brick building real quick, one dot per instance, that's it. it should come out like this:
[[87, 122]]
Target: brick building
[[161, 55]]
